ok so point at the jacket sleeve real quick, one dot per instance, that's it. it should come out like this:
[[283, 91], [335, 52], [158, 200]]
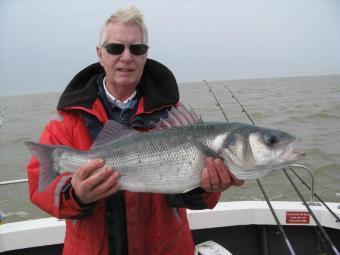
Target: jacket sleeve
[[196, 199], [58, 199]]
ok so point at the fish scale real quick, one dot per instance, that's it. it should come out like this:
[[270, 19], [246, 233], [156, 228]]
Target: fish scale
[[161, 162]]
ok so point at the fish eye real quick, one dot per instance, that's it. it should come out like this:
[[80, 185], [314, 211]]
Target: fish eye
[[271, 140]]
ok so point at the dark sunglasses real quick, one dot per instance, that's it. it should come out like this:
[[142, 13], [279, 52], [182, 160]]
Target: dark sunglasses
[[118, 48]]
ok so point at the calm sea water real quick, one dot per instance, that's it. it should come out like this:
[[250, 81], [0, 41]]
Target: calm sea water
[[308, 107]]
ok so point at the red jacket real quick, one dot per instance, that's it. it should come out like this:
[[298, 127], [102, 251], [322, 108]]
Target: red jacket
[[151, 223]]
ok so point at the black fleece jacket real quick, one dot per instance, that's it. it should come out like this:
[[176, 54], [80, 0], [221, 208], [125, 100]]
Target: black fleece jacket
[[158, 86]]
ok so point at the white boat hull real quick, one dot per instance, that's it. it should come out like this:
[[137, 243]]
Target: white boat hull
[[217, 222]]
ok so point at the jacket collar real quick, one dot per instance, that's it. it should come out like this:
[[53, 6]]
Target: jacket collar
[[158, 87]]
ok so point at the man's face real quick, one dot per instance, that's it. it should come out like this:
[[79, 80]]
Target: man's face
[[125, 69]]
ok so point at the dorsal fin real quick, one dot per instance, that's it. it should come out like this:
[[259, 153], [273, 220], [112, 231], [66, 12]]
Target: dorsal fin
[[178, 117], [190, 115], [111, 131]]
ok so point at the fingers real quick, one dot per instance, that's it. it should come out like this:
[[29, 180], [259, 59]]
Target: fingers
[[107, 185], [236, 182], [98, 177], [215, 181], [94, 181], [88, 169], [205, 179], [226, 176], [216, 177]]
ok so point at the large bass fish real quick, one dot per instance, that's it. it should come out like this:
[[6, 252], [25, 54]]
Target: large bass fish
[[169, 159]]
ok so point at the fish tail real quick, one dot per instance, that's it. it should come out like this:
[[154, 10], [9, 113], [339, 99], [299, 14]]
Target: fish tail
[[48, 156]]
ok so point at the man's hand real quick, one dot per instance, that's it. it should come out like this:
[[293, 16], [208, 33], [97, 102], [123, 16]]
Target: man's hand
[[92, 181], [215, 176]]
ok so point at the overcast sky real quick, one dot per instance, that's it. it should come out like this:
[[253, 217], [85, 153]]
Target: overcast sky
[[43, 44]]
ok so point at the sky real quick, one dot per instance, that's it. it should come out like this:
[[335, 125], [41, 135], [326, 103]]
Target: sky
[[43, 44]]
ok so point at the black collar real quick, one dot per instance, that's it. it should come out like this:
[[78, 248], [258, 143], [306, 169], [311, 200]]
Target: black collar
[[159, 87]]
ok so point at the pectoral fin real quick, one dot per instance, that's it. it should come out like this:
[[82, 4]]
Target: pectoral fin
[[205, 149]]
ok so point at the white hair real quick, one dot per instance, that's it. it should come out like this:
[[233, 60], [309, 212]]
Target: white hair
[[129, 15]]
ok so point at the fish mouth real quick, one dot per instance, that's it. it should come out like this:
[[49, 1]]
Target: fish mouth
[[290, 153]]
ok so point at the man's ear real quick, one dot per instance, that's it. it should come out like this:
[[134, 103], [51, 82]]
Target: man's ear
[[100, 54], [145, 58]]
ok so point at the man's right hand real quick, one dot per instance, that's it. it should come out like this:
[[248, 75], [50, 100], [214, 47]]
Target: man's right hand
[[94, 181]]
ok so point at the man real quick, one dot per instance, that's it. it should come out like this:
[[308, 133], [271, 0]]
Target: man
[[127, 87]]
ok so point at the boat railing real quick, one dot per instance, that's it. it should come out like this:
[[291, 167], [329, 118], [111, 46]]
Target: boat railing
[[312, 186]]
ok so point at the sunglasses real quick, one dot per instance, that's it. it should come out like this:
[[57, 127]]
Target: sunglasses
[[135, 49]]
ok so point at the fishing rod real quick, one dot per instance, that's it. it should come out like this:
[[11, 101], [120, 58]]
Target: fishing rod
[[239, 103], [294, 186], [13, 181], [281, 230], [217, 102]]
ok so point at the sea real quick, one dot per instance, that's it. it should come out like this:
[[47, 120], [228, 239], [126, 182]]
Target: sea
[[308, 107]]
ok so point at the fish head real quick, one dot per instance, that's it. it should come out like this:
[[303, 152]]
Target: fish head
[[252, 152]]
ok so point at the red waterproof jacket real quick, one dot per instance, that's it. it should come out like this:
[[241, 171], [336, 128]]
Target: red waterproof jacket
[[152, 226]]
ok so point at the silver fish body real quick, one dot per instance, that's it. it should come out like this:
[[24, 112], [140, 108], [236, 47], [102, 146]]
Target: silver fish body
[[170, 160]]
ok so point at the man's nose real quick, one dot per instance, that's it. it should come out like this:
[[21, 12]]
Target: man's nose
[[126, 55]]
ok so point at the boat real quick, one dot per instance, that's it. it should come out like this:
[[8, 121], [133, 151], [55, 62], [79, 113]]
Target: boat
[[240, 227]]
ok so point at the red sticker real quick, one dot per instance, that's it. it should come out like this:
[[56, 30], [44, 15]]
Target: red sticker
[[297, 217]]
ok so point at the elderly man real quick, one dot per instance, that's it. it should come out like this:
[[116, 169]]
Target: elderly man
[[127, 87]]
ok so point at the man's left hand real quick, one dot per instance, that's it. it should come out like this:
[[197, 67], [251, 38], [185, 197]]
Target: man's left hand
[[216, 177]]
